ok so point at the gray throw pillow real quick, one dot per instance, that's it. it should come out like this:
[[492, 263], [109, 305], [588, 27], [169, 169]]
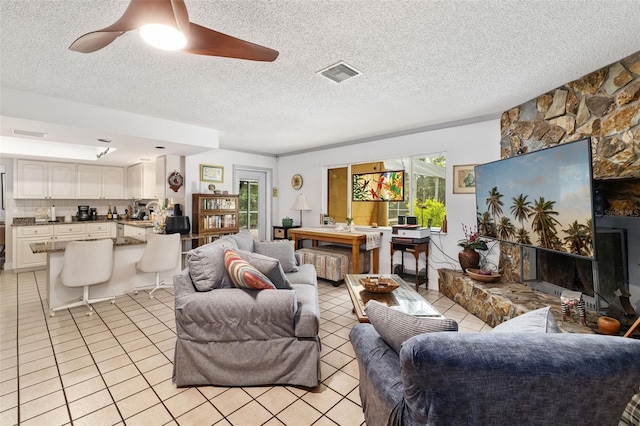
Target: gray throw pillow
[[282, 250], [206, 265], [395, 327], [268, 266], [244, 239], [538, 321]]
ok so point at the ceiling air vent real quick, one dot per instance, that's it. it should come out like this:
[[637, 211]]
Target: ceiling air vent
[[339, 72]]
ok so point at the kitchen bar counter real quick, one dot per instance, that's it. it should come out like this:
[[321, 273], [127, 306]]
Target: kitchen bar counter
[[60, 246], [124, 279]]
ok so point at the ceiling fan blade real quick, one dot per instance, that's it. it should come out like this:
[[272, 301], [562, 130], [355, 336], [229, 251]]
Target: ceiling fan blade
[[96, 40], [205, 41], [138, 13]]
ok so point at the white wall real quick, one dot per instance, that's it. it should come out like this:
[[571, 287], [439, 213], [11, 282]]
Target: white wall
[[469, 144], [227, 159]]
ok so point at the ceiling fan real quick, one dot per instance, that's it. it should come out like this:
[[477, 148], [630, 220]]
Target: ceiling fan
[[168, 20]]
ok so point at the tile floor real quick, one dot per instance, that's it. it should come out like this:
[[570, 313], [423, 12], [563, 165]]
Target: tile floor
[[115, 367]]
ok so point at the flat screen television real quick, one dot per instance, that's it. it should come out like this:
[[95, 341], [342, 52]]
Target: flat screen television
[[541, 199]]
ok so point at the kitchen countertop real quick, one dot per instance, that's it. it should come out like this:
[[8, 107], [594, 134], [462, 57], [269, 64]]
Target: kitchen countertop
[[31, 221], [60, 246]]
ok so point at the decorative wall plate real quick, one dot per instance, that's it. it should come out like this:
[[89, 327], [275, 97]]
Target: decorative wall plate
[[175, 181], [296, 181]]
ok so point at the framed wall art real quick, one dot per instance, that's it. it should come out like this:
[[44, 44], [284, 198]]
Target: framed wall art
[[464, 179], [378, 186], [211, 173]]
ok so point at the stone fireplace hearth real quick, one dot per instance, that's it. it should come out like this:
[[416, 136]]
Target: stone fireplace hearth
[[495, 303]]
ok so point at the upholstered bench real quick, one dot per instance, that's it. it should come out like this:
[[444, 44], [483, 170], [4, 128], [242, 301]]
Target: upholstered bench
[[333, 262]]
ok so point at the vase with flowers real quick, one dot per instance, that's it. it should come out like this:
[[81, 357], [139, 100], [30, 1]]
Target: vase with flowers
[[469, 257]]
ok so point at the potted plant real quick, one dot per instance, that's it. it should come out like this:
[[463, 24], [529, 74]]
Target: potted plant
[[469, 257], [287, 222], [351, 226]]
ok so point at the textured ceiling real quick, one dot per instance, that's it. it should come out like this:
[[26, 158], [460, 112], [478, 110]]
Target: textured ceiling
[[424, 63]]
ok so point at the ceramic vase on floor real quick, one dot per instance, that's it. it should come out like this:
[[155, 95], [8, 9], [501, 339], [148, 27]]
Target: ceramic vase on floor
[[469, 258]]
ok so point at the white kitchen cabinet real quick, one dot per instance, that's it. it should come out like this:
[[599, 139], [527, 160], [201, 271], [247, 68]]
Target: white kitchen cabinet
[[99, 230], [89, 182], [141, 181], [100, 182], [161, 181], [42, 180], [137, 232], [23, 236], [69, 232], [32, 179], [113, 183], [62, 180]]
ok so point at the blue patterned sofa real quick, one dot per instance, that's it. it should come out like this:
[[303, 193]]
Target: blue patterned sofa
[[522, 373]]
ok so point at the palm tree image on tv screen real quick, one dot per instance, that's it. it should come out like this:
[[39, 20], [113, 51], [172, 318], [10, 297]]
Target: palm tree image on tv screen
[[541, 199]]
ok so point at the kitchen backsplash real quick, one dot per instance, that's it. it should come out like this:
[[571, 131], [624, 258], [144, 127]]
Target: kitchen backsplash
[[28, 208]]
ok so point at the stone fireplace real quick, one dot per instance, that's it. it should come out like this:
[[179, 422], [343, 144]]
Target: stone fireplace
[[604, 105]]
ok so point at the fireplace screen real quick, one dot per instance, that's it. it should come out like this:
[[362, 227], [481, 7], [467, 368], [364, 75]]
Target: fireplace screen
[[552, 272]]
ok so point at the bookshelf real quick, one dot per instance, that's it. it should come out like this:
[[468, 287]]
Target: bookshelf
[[214, 215]]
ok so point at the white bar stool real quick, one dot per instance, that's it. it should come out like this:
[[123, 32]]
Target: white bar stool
[[161, 254], [86, 263]]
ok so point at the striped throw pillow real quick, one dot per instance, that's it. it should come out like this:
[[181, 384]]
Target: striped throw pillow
[[395, 327], [243, 275]]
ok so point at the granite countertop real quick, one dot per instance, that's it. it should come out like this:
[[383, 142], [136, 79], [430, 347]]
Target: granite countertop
[[31, 221], [60, 246], [137, 223]]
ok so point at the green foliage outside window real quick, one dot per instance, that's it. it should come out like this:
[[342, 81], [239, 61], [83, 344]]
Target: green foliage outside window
[[429, 209]]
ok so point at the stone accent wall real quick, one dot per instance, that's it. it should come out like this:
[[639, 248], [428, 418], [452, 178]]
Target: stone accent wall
[[604, 105]]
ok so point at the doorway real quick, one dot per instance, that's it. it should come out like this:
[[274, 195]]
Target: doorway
[[251, 186]]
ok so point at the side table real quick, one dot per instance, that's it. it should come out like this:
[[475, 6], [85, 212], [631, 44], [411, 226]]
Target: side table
[[282, 232], [415, 249]]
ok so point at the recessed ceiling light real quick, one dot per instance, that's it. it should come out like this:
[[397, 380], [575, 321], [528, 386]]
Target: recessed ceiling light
[[160, 147], [104, 140]]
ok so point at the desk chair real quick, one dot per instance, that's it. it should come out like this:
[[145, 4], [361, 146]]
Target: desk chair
[[161, 254], [86, 263]]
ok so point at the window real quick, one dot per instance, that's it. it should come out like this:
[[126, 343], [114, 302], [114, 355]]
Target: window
[[424, 189]]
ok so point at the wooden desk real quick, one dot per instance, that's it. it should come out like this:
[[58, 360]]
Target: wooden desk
[[330, 235], [415, 249]]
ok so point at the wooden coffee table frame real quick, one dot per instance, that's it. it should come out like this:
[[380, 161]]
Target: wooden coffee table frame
[[359, 296]]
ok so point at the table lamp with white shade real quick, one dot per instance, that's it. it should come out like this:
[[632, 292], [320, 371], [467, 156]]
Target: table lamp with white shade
[[301, 204]]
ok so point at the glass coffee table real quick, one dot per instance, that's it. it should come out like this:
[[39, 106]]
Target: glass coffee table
[[404, 298]]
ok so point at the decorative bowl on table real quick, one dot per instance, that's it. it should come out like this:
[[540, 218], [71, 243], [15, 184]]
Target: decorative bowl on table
[[379, 285], [483, 275]]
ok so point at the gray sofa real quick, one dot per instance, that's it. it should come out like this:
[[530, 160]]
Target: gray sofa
[[231, 336], [523, 373]]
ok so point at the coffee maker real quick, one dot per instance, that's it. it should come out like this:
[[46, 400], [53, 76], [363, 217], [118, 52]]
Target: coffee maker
[[83, 213]]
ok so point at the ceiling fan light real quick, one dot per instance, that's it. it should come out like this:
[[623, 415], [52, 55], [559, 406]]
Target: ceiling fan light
[[163, 36]]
